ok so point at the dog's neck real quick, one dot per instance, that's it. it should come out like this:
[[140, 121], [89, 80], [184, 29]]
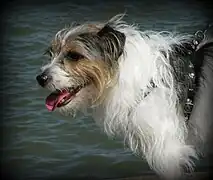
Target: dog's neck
[[185, 75], [125, 96]]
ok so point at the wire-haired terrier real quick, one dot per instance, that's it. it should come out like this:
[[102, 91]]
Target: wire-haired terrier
[[155, 89]]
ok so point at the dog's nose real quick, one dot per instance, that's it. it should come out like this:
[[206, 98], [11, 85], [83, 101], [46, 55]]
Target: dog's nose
[[42, 79]]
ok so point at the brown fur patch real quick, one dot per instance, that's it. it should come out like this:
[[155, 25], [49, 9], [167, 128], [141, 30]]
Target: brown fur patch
[[97, 72], [93, 28]]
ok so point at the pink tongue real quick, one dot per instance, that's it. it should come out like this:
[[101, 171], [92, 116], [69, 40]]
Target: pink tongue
[[54, 99]]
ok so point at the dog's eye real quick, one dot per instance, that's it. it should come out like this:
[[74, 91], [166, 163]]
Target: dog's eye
[[73, 56], [49, 52]]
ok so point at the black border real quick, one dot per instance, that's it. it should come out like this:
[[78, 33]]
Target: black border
[[5, 8]]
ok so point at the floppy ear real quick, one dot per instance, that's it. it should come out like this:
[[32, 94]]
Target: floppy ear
[[112, 41]]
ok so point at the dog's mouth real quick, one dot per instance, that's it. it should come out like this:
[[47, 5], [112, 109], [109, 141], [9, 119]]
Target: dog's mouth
[[62, 97]]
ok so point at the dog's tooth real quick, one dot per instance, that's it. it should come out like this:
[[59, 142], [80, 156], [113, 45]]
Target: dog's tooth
[[58, 90], [71, 89]]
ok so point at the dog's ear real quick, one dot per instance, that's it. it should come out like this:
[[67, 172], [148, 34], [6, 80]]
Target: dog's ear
[[112, 41]]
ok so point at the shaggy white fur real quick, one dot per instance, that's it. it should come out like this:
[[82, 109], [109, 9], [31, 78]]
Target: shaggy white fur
[[153, 126], [149, 118]]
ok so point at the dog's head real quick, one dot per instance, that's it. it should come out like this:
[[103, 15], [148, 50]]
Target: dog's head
[[82, 66]]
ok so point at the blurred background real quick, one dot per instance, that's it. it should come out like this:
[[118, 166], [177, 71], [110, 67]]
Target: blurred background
[[42, 145]]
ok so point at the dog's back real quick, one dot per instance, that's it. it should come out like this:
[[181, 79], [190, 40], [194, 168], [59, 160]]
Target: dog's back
[[201, 120]]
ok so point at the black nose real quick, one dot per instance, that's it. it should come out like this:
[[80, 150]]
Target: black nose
[[42, 79]]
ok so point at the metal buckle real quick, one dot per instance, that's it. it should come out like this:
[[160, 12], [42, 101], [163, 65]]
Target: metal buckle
[[199, 35]]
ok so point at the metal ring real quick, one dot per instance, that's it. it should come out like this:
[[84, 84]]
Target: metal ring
[[200, 35]]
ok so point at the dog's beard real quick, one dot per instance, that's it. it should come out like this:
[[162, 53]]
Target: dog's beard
[[77, 86], [81, 102]]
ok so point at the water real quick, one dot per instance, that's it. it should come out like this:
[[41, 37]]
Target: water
[[39, 144]]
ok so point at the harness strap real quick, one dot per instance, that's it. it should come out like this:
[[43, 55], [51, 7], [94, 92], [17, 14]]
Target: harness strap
[[189, 104], [191, 48]]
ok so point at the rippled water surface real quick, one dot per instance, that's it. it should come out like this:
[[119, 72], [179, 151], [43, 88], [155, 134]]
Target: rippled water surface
[[42, 144]]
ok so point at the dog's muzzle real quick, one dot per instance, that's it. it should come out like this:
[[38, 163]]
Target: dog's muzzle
[[42, 79]]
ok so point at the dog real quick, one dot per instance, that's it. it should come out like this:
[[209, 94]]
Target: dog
[[153, 89]]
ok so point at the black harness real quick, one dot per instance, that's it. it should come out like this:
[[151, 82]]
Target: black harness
[[190, 75]]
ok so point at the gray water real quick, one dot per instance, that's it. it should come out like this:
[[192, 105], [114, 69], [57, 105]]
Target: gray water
[[39, 144]]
